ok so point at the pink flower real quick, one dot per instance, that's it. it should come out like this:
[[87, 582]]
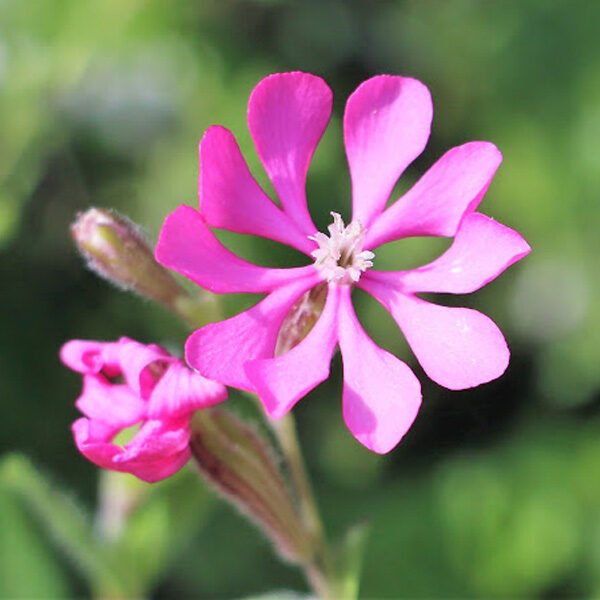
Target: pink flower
[[386, 126], [127, 384]]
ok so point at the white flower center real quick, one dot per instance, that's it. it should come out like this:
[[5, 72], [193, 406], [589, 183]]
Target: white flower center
[[340, 257]]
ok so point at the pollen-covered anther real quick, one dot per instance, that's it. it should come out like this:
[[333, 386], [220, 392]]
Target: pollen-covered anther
[[340, 257]]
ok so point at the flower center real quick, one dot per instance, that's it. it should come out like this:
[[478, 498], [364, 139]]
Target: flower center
[[340, 257]]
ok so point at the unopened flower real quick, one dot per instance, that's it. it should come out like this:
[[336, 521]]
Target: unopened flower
[[386, 126], [116, 249], [130, 385]]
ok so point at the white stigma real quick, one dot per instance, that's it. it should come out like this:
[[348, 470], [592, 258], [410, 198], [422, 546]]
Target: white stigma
[[340, 257]]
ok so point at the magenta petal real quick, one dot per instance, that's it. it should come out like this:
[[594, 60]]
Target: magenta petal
[[93, 357], [83, 356], [188, 246], [435, 205], [115, 405], [231, 199], [458, 348], [287, 115], [219, 351], [141, 365], [94, 431], [155, 452], [386, 126], [154, 441], [93, 441], [153, 471], [482, 250], [180, 392], [280, 382], [381, 394]]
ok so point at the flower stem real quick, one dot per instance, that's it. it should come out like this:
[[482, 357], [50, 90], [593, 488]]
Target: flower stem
[[318, 570], [197, 310], [285, 430]]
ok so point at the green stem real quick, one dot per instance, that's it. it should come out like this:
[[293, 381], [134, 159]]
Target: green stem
[[197, 310], [285, 430], [319, 570]]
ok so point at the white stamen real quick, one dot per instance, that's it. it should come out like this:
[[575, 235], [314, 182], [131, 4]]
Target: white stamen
[[340, 256]]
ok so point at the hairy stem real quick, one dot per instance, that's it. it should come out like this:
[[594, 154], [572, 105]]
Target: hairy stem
[[285, 430], [319, 571]]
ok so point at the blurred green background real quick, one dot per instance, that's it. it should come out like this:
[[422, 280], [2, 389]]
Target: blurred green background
[[495, 492]]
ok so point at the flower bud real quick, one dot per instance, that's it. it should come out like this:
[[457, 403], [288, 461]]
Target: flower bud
[[238, 462], [116, 249]]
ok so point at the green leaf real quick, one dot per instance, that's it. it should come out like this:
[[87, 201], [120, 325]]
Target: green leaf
[[66, 523], [162, 525], [28, 567]]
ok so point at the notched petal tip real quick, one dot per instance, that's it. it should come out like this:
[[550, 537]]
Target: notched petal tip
[[381, 433], [457, 347], [289, 78], [481, 251], [387, 122], [381, 395], [287, 116], [399, 83]]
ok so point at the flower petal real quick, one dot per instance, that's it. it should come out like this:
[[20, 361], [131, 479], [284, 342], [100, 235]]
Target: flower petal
[[386, 126], [287, 115], [154, 441], [458, 348], [381, 394], [482, 250], [82, 356], [153, 471], [93, 357], [188, 246], [142, 364], [435, 205], [180, 392], [281, 381], [113, 404], [219, 351], [93, 441], [155, 452], [230, 198]]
